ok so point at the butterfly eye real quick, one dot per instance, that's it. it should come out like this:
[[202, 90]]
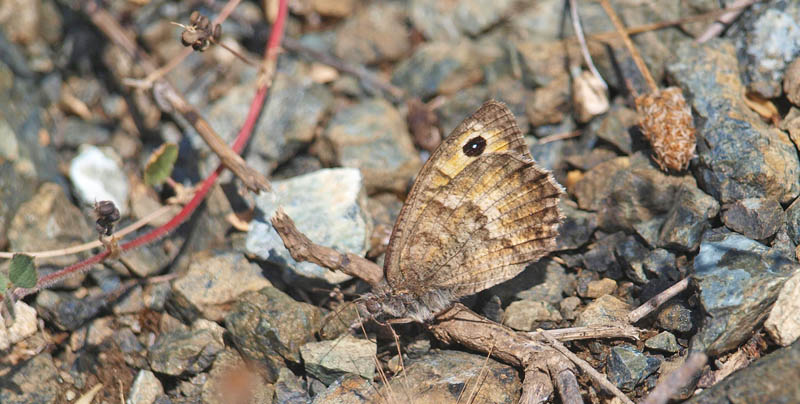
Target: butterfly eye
[[474, 146]]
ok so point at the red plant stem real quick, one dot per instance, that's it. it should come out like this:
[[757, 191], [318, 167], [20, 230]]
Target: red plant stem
[[271, 53]]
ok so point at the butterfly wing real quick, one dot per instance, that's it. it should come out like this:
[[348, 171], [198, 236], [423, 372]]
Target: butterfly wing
[[479, 211]]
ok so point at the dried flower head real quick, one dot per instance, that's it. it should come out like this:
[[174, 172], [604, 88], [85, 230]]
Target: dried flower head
[[107, 214], [666, 121], [200, 33]]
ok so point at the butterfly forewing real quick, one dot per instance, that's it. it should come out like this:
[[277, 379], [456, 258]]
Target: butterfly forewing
[[479, 210]]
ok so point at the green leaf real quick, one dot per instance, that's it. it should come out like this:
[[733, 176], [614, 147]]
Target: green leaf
[[3, 283], [159, 165], [22, 272]]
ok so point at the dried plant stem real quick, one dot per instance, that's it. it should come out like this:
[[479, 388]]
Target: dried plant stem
[[586, 367], [726, 18], [626, 39], [244, 135], [576, 26], [559, 136], [678, 379], [94, 244], [592, 332], [657, 300], [360, 72]]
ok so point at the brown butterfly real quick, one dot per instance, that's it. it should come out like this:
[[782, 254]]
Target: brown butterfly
[[478, 213]]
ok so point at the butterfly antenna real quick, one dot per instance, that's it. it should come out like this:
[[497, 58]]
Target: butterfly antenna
[[378, 366], [478, 380]]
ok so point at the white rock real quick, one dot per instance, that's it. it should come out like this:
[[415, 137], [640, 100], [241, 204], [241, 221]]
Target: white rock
[[97, 176], [145, 389], [327, 206], [24, 325], [783, 323]]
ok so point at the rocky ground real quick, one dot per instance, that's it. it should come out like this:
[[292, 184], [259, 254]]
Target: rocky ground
[[219, 311]]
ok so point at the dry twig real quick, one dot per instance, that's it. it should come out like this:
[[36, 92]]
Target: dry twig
[[678, 379], [657, 300]]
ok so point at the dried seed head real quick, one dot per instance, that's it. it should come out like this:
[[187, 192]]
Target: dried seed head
[[107, 214], [666, 121]]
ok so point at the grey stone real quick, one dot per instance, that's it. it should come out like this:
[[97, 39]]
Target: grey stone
[[615, 127], [66, 311], [738, 280], [375, 33], [783, 323], [328, 206], [17, 185], [755, 218], [77, 132], [602, 258], [605, 310], [660, 263], [34, 381], [451, 20], [740, 156], [675, 317], [49, 221], [184, 352], [372, 136], [348, 389], [527, 315], [459, 106], [577, 228], [664, 341], [767, 380], [627, 367], [213, 280], [514, 94], [632, 255], [269, 324], [687, 219], [543, 280], [446, 374], [98, 176], [23, 325], [793, 221], [568, 307], [289, 389], [133, 352], [145, 389], [771, 43], [595, 289], [287, 124], [439, 68], [329, 360]]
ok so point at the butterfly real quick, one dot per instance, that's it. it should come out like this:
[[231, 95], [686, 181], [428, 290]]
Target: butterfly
[[478, 213]]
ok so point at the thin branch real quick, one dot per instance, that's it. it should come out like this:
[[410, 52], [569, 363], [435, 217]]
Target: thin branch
[[726, 18], [592, 332], [657, 300], [637, 58], [576, 26], [678, 379], [598, 377]]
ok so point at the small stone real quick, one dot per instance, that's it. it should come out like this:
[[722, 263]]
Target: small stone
[[755, 218], [375, 33], [783, 323], [334, 8], [599, 288], [145, 389], [133, 352], [438, 68], [738, 280], [793, 221], [660, 263], [568, 307], [289, 389], [602, 258], [577, 228], [545, 280], [98, 176], [615, 128], [605, 310], [791, 82], [66, 311], [627, 367], [214, 281], [526, 315], [24, 325], [740, 156], [689, 217], [632, 254], [426, 380], [663, 341], [268, 324], [372, 136], [769, 45], [49, 221], [450, 20], [33, 381], [183, 352], [328, 206], [675, 317], [345, 390], [79, 133], [329, 360]]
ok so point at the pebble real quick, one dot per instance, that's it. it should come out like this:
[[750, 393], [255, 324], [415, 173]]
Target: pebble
[[179, 353], [675, 316], [783, 323], [98, 176], [329, 360], [627, 367], [740, 156], [375, 33], [66, 311], [24, 325], [231, 380], [439, 68], [738, 279], [605, 310], [215, 280], [664, 341], [755, 218], [145, 389], [769, 45], [328, 206], [526, 315], [34, 381], [373, 137], [448, 21], [595, 289]]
